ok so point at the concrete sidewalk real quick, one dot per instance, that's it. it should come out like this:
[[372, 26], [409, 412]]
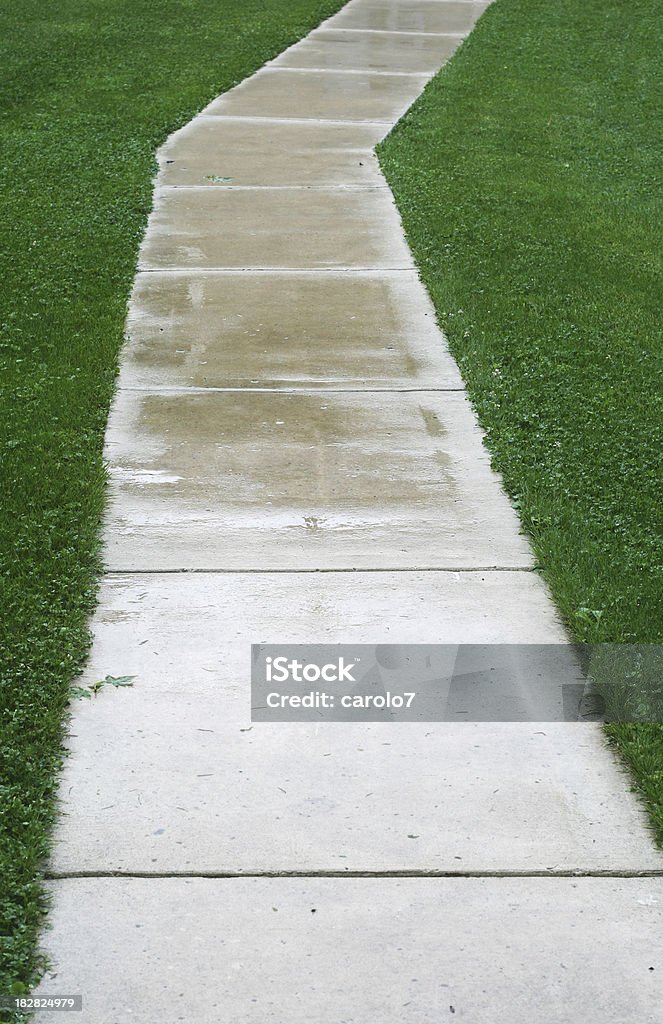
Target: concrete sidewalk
[[291, 426]]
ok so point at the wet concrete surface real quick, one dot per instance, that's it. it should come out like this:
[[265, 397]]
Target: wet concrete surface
[[282, 92], [284, 330], [269, 480], [410, 16], [217, 152], [274, 229], [379, 52]]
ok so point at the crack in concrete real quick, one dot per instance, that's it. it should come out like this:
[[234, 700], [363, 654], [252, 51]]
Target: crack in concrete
[[356, 873], [296, 572]]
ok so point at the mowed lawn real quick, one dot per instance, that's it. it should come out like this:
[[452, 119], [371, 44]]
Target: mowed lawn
[[528, 177], [89, 89]]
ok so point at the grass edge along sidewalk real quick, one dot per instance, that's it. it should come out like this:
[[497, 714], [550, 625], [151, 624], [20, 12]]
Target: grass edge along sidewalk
[[89, 93], [526, 178]]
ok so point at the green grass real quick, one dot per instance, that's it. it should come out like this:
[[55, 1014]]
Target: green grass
[[90, 89], [527, 177]]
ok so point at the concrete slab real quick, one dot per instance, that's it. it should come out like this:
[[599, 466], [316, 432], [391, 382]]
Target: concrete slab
[[274, 228], [266, 330], [409, 15], [448, 799], [245, 152], [266, 480], [206, 792], [167, 627], [282, 92], [374, 51], [416, 951]]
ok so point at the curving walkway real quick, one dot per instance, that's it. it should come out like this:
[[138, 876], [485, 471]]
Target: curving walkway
[[290, 424]]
